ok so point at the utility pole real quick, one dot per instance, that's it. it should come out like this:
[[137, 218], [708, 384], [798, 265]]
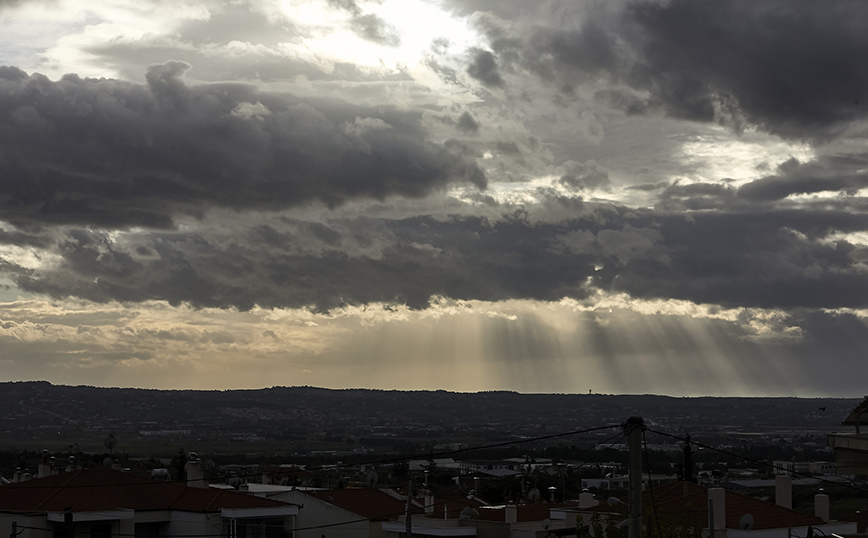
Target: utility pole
[[687, 470], [408, 530], [634, 427], [68, 522]]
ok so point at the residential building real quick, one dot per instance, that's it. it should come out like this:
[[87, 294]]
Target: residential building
[[851, 449], [683, 504], [103, 503], [345, 513]]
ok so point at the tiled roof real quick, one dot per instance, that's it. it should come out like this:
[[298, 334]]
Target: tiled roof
[[370, 503], [861, 520], [105, 489], [451, 508], [858, 414], [684, 503]]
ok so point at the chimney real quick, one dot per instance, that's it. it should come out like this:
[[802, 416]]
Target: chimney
[[821, 506], [784, 491], [44, 468], [587, 500], [195, 476], [717, 502], [510, 513]]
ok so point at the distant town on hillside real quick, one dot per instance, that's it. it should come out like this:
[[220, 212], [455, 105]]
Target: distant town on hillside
[[283, 421]]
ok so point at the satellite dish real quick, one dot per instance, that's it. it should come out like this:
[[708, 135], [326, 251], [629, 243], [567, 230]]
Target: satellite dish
[[468, 513], [547, 523], [371, 478], [746, 522], [533, 495]]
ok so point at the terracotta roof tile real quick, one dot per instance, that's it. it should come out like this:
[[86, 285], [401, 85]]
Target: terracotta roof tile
[[524, 512], [684, 503], [861, 520], [370, 503], [106, 489]]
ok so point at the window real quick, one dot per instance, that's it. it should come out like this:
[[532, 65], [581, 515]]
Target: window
[[101, 530], [255, 528]]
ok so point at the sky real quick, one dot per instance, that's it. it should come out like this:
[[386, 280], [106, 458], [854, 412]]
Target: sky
[[569, 196]]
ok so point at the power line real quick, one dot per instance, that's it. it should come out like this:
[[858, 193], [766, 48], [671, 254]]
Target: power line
[[690, 440], [610, 440], [399, 459]]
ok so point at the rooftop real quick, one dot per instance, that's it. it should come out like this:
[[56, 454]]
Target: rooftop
[[90, 490]]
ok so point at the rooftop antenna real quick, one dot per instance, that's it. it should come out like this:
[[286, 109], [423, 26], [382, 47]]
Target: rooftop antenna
[[110, 443]]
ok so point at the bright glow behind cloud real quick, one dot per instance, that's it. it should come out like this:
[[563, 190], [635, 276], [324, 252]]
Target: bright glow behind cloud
[[417, 25]]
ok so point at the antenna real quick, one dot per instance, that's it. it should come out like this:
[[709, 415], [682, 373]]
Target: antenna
[[746, 522], [110, 442]]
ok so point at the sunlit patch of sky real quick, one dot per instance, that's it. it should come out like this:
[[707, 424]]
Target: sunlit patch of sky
[[416, 23], [721, 156], [855, 238]]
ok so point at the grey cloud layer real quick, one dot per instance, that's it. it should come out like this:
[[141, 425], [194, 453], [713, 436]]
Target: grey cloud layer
[[111, 153], [91, 156], [793, 68], [771, 259]]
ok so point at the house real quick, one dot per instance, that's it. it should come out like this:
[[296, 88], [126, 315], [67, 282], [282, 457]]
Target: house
[[502, 521], [686, 505], [102, 503], [851, 449], [345, 513]]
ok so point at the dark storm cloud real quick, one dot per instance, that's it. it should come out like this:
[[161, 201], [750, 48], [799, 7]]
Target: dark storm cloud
[[460, 258], [483, 67], [793, 68], [845, 175], [769, 259], [111, 153], [696, 196], [467, 123], [589, 175]]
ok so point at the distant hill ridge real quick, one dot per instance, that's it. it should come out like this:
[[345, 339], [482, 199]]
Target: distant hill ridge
[[87, 403]]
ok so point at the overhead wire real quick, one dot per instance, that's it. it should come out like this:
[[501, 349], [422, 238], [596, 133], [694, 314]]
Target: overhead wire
[[611, 441], [432, 455], [397, 459], [650, 482], [690, 440]]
